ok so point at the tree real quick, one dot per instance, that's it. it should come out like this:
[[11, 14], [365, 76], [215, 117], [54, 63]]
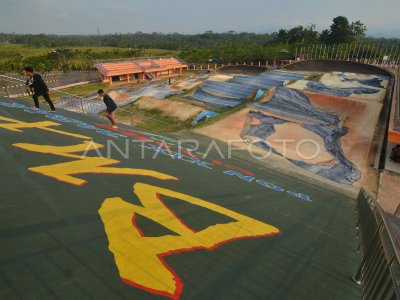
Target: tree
[[358, 30], [310, 35], [340, 31], [282, 36], [295, 35], [324, 36]]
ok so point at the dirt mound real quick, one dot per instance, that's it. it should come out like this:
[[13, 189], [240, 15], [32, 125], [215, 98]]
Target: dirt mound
[[169, 108]]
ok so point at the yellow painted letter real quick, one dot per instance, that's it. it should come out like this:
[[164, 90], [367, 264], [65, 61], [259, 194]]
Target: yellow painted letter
[[16, 126], [140, 259], [83, 164]]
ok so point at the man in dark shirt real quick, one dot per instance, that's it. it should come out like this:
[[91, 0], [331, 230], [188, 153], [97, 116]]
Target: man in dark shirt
[[35, 82], [111, 107]]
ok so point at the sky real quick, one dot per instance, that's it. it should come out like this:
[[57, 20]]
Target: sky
[[192, 16]]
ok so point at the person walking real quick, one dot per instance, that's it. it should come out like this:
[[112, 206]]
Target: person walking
[[36, 82], [111, 107]]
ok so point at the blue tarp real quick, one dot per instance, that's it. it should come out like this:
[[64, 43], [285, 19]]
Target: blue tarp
[[213, 100], [224, 94], [295, 104], [374, 82], [325, 124], [259, 95], [205, 114], [261, 82], [319, 87], [285, 76], [228, 89], [267, 79]]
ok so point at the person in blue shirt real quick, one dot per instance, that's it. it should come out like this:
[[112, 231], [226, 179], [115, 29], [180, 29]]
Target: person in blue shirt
[[111, 107]]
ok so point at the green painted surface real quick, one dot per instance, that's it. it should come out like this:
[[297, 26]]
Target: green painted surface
[[53, 243]]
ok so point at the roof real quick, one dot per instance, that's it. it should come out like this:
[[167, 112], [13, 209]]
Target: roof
[[139, 66]]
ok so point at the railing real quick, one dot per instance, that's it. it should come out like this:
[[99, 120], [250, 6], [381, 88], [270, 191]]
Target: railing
[[368, 53], [379, 272], [397, 99], [89, 106], [53, 80]]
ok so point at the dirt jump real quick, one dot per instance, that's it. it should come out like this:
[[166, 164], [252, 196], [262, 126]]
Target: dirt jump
[[334, 118]]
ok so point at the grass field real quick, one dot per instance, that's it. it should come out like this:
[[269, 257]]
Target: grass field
[[12, 56], [7, 50], [86, 89]]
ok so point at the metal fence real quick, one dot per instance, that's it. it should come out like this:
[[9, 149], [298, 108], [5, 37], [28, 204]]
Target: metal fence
[[53, 80], [89, 106], [376, 54], [379, 272]]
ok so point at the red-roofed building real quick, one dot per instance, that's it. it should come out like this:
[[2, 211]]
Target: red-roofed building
[[143, 68]]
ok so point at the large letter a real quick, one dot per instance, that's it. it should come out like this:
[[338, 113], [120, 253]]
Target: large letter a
[[140, 259]]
